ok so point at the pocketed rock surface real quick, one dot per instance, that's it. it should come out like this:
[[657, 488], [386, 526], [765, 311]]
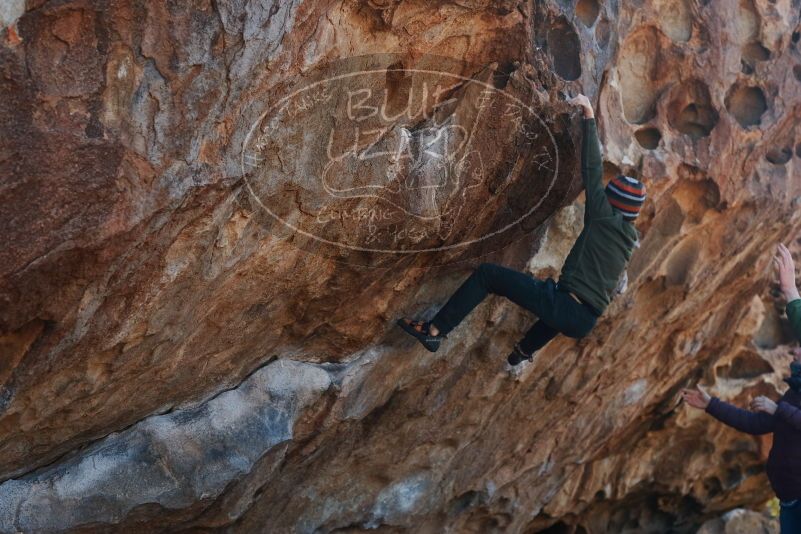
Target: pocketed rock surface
[[174, 356]]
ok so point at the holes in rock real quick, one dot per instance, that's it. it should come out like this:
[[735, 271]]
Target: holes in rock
[[754, 470], [377, 14], [696, 120], [773, 331], [552, 389], [669, 219], [733, 477], [557, 528], [712, 485], [690, 110], [746, 22], [746, 67], [464, 501], [681, 262], [688, 506], [746, 104], [648, 137], [747, 365], [796, 36], [779, 156], [564, 48], [675, 19], [489, 523], [754, 52], [696, 195], [638, 68], [587, 11], [500, 78], [481, 521], [798, 150], [797, 72], [602, 32]]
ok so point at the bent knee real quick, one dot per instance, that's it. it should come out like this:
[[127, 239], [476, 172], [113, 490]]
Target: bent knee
[[485, 268], [582, 331], [484, 273]]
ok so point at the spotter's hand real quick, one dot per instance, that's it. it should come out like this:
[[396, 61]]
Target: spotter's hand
[[763, 404]]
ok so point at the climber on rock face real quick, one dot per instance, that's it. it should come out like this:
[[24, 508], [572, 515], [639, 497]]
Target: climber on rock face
[[783, 419], [591, 273]]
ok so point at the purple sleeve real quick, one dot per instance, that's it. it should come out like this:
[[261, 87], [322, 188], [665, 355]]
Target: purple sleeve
[[749, 422], [789, 413]]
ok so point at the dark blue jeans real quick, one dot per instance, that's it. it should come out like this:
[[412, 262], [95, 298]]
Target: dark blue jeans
[[790, 517], [556, 310]]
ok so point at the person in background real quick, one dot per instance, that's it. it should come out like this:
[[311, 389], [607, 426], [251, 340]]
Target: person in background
[[782, 418]]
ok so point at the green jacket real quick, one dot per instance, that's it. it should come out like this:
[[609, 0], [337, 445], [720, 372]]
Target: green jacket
[[794, 314], [599, 256]]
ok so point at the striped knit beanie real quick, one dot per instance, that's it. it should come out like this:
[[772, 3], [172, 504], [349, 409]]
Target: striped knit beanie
[[627, 195]]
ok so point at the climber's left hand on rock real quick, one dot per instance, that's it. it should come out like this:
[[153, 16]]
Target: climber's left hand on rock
[[763, 404]]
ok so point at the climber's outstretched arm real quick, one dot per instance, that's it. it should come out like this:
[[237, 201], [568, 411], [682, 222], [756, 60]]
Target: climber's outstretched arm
[[739, 419], [742, 420], [591, 164]]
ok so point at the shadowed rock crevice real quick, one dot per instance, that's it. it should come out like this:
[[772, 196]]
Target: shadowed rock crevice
[[603, 32], [639, 68], [746, 365], [587, 11], [755, 52], [779, 156], [675, 19], [774, 330], [564, 48], [648, 137], [747, 104], [681, 262], [690, 109]]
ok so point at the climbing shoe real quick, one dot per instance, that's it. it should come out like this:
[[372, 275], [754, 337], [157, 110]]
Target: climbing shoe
[[518, 356], [421, 332]]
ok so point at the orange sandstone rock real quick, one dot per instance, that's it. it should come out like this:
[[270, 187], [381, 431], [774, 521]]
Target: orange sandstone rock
[[196, 315]]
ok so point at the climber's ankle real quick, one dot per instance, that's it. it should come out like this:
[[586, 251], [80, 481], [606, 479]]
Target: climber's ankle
[[433, 330], [518, 355]]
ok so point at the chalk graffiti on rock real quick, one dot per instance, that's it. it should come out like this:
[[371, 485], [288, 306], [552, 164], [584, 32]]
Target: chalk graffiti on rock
[[387, 160]]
